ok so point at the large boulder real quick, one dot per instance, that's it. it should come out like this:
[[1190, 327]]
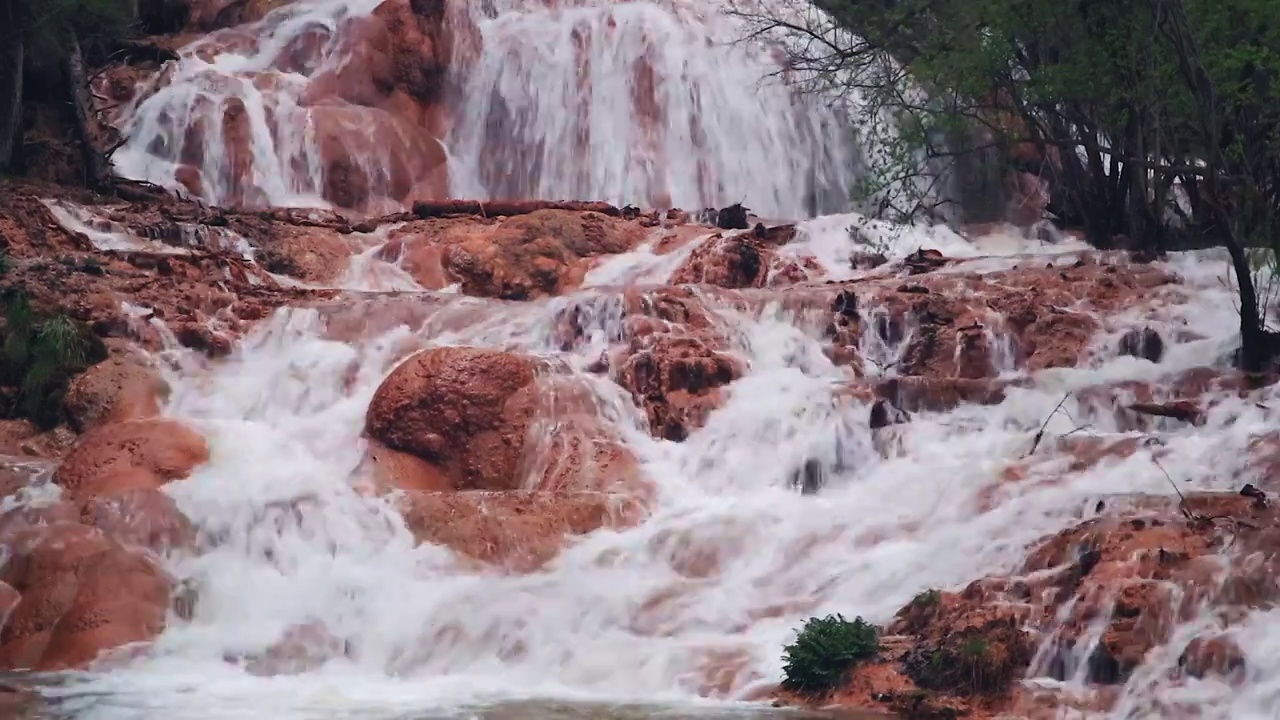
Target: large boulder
[[137, 454], [81, 593], [453, 407], [123, 387]]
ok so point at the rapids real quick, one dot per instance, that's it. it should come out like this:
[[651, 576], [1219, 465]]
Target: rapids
[[617, 618], [613, 619]]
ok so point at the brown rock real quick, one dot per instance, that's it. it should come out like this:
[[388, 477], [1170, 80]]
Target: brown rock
[[82, 594], [303, 648], [1214, 655], [123, 387], [144, 518], [1145, 343], [453, 408], [136, 454], [518, 531], [738, 261], [677, 381], [391, 469]]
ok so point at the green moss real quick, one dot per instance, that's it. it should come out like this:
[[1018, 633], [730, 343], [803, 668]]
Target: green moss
[[970, 663], [825, 650], [926, 599], [39, 355]]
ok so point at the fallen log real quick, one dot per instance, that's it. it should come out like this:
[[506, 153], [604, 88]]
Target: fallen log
[[506, 208]]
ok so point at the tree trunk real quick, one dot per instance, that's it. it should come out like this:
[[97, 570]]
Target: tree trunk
[[12, 56], [92, 134]]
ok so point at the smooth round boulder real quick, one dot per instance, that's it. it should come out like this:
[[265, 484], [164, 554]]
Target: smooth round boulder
[[124, 387], [81, 593], [136, 454], [453, 408]]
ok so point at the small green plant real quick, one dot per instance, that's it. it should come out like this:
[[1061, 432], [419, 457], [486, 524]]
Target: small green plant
[[926, 599], [825, 649], [970, 663], [39, 355]]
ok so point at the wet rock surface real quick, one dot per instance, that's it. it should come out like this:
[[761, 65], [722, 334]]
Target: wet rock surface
[[507, 447]]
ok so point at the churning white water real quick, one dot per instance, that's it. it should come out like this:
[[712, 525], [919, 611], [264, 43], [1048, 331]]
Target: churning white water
[[656, 104], [248, 80], [619, 616], [645, 103]]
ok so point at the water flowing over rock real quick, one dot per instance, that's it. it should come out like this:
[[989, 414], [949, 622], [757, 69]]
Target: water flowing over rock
[[410, 376]]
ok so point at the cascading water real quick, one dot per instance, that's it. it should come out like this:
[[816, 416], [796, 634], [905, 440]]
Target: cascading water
[[228, 121], [696, 602], [655, 104], [646, 103]]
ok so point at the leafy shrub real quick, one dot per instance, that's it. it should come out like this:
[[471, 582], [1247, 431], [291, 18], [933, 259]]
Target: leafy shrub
[[825, 650], [40, 354]]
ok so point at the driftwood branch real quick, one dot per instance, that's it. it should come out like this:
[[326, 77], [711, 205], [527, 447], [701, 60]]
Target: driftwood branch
[[1040, 433]]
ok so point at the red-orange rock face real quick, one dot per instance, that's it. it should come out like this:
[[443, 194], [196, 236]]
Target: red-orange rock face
[[131, 455], [122, 387], [82, 593], [546, 252], [1140, 568], [458, 409], [516, 531]]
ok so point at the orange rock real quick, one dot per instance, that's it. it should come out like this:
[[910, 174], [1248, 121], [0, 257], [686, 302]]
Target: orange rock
[[394, 470], [312, 254], [303, 648], [453, 408], [141, 517], [412, 164], [82, 594], [732, 262], [124, 387], [676, 380], [518, 531], [573, 447], [135, 454], [1214, 655]]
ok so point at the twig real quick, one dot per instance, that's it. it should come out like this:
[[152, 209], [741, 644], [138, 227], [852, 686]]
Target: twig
[[1040, 433], [1084, 427]]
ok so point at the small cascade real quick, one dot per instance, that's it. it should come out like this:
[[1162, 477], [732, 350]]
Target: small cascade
[[263, 115], [653, 103]]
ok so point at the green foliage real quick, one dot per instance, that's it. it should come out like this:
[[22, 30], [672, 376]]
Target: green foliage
[[39, 355], [969, 663], [825, 649], [926, 599], [47, 24]]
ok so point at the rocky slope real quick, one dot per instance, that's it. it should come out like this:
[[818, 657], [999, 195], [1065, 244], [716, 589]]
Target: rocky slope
[[455, 432], [529, 358]]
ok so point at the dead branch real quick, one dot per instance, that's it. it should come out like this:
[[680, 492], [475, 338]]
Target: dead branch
[[1040, 433]]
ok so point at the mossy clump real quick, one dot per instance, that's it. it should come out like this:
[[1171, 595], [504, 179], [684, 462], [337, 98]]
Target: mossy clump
[[971, 663], [824, 652], [39, 355]]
